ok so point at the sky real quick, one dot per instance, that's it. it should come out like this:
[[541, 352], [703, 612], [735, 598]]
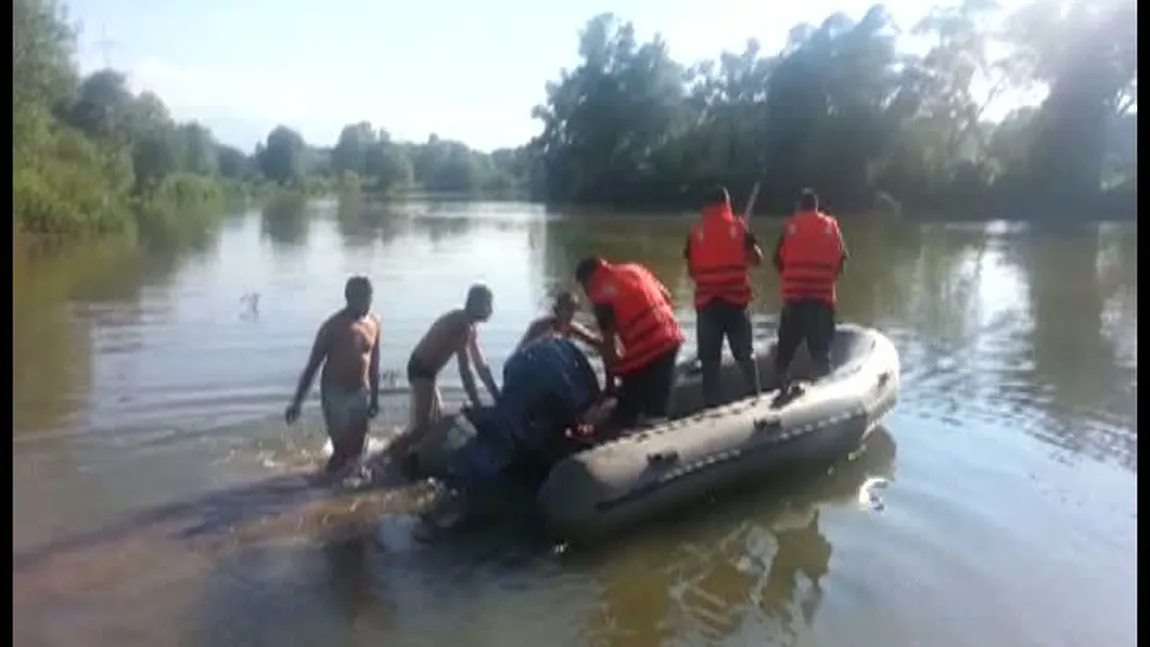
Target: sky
[[470, 71]]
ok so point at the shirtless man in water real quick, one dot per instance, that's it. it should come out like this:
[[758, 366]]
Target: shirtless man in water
[[452, 334], [347, 345], [560, 322]]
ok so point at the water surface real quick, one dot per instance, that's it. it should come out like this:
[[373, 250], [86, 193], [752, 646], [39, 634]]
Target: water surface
[[158, 497]]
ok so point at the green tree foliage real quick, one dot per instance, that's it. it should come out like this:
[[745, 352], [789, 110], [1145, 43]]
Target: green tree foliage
[[89, 155], [843, 107], [282, 159]]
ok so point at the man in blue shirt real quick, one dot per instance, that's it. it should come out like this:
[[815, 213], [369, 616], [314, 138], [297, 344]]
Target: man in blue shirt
[[548, 387]]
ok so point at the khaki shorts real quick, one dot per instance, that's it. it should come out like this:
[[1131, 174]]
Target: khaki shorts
[[344, 412]]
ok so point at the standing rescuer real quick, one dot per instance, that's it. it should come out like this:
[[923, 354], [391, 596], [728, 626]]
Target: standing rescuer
[[632, 305], [810, 256], [720, 252]]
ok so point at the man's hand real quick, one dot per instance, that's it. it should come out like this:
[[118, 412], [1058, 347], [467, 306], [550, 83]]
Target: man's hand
[[580, 432], [373, 410], [291, 414], [610, 388]]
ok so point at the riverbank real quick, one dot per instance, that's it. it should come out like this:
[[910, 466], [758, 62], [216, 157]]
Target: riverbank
[[184, 208], [1117, 205]]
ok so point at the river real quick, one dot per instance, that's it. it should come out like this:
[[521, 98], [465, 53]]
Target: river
[[157, 496]]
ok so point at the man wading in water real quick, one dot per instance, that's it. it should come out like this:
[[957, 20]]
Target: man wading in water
[[347, 345], [452, 334]]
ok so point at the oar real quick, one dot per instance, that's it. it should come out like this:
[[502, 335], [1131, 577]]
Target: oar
[[751, 202]]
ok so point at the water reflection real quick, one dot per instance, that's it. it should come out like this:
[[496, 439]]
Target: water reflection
[[1092, 390], [756, 562], [59, 306], [362, 220], [439, 230], [286, 220], [138, 389]]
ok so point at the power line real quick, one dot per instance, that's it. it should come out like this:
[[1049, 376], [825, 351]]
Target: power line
[[106, 45]]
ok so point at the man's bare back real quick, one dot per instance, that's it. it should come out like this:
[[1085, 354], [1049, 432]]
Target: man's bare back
[[451, 334], [448, 336]]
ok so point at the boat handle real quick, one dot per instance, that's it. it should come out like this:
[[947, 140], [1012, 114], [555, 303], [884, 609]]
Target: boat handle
[[767, 424], [662, 458]]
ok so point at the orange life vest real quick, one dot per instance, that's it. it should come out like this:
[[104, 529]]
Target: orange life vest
[[811, 254], [718, 258], [644, 320]]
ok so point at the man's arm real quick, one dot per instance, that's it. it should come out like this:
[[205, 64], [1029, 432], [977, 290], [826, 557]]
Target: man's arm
[[465, 375], [777, 259], [481, 366], [314, 360], [583, 334], [843, 247], [754, 254], [373, 368], [687, 256], [605, 319]]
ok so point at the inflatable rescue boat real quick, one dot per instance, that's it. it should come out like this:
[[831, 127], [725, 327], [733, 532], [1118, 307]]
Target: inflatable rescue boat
[[654, 470], [699, 452]]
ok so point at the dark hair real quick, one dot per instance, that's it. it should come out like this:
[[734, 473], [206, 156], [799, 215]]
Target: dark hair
[[563, 300], [356, 285], [717, 195], [478, 294], [808, 200], [586, 268]]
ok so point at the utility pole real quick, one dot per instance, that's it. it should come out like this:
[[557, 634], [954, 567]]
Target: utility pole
[[106, 45]]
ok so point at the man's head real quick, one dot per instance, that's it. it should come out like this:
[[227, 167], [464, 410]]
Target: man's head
[[357, 292], [718, 196], [479, 302], [586, 269], [808, 201], [564, 307]]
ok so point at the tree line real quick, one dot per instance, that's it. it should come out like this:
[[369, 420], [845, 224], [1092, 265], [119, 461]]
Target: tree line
[[841, 107], [90, 156]]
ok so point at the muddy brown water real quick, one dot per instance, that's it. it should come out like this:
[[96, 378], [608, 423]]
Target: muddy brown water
[[159, 500]]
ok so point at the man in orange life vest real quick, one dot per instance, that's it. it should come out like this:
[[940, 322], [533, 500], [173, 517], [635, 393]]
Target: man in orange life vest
[[719, 252], [810, 255], [633, 305]]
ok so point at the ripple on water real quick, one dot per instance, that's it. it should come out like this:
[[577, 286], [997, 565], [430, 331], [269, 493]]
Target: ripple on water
[[159, 499]]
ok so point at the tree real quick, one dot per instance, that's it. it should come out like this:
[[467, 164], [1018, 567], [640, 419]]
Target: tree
[[281, 159], [841, 108], [387, 165], [350, 152], [232, 163]]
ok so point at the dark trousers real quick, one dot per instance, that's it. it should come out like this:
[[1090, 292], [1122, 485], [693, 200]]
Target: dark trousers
[[646, 392], [810, 321], [714, 322]]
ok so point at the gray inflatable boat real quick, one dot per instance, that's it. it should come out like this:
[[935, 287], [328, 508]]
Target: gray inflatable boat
[[699, 452]]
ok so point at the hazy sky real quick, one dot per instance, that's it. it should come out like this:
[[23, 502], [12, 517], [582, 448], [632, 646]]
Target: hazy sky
[[465, 70]]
